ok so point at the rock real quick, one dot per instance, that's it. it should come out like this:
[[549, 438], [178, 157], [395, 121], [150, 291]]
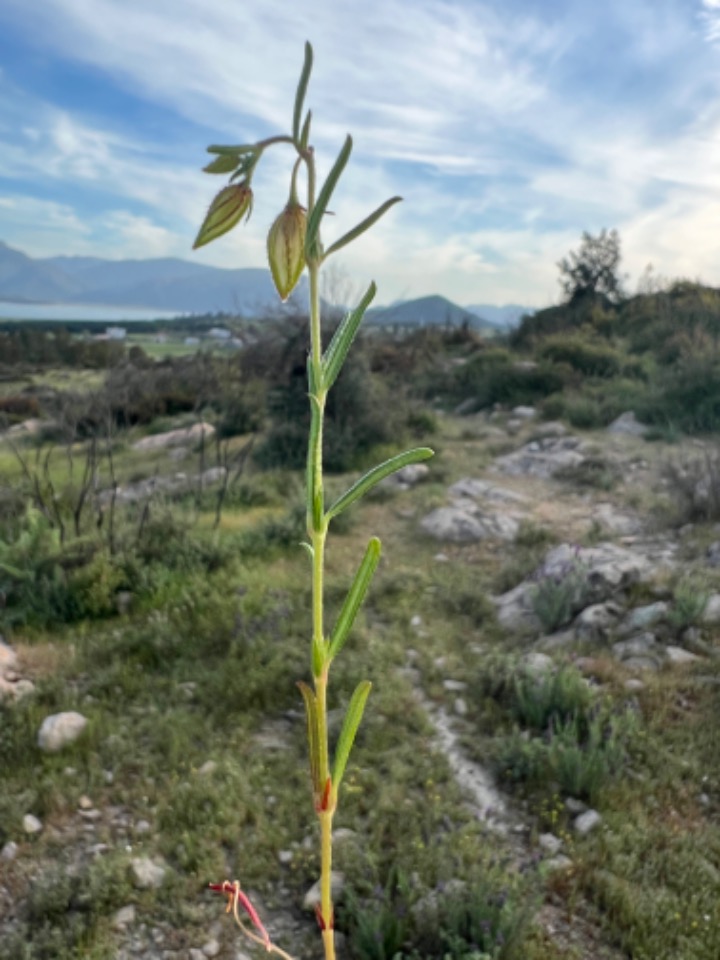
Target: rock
[[524, 413], [586, 822], [406, 477], [607, 567], [123, 601], [460, 526], [515, 609], [640, 618], [85, 803], [595, 623], [640, 653], [549, 843], [627, 425], [537, 665], [575, 806], [31, 825], [124, 917], [211, 948], [145, 874], [551, 428], [561, 862], [454, 686], [460, 707], [9, 851], [31, 427], [312, 897], [210, 477], [285, 856], [615, 521], [8, 658], [633, 685], [176, 438], [59, 730], [641, 663], [711, 613], [713, 554], [141, 827], [470, 488], [678, 656], [542, 458], [208, 768], [559, 640]]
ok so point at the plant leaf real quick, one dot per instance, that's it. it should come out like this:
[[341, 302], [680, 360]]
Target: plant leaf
[[349, 730], [355, 597], [241, 148], [313, 738], [318, 211], [225, 163], [315, 503], [374, 476], [302, 90], [362, 226], [305, 134], [338, 348]]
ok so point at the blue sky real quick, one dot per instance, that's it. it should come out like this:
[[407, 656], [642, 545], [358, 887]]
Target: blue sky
[[508, 126]]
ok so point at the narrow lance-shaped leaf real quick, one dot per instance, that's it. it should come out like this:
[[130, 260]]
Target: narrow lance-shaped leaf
[[235, 150], [349, 730], [374, 476], [318, 211], [362, 226], [305, 135], [302, 90], [338, 348], [355, 597], [313, 738], [225, 163], [314, 490]]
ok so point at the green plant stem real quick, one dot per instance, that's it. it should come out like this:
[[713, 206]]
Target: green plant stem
[[318, 535]]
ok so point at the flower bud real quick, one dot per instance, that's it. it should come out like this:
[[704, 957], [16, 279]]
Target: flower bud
[[225, 211], [286, 248]]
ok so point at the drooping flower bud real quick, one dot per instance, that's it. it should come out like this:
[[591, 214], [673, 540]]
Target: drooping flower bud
[[286, 248], [232, 203]]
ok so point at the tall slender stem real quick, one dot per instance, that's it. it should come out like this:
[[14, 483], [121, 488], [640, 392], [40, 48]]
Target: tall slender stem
[[318, 536]]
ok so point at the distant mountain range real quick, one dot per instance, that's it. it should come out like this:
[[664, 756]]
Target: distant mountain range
[[172, 284]]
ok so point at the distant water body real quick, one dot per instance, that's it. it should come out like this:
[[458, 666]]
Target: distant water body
[[84, 311]]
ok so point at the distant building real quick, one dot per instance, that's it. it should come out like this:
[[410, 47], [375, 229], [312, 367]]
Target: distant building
[[115, 333], [219, 333]]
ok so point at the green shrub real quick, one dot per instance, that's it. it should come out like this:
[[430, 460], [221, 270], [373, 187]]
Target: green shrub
[[558, 595], [555, 697]]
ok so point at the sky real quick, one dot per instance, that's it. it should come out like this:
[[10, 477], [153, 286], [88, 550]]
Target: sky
[[509, 127]]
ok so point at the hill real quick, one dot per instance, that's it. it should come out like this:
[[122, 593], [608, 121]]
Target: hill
[[430, 311]]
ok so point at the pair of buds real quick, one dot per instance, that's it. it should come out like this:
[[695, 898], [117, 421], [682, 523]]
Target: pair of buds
[[285, 241]]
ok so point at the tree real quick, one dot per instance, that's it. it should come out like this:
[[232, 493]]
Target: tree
[[593, 269]]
